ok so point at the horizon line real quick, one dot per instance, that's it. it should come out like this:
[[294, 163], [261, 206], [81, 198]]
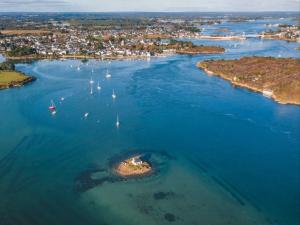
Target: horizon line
[[134, 11]]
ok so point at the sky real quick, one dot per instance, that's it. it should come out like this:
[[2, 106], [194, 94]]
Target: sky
[[147, 5]]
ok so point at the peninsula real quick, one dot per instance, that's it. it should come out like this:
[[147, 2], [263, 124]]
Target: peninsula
[[9, 77], [277, 78], [201, 49], [133, 166]]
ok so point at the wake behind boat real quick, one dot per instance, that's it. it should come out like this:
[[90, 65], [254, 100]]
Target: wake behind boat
[[117, 122]]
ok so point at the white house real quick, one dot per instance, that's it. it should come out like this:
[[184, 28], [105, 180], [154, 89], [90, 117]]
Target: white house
[[136, 161]]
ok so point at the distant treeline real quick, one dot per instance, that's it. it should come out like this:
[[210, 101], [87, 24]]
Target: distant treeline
[[21, 51], [7, 66]]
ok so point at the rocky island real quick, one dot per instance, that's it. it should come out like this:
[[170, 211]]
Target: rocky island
[[9, 77], [133, 166], [277, 78]]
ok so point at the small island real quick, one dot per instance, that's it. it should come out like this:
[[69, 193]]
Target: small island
[[133, 166], [223, 30], [9, 77], [277, 78]]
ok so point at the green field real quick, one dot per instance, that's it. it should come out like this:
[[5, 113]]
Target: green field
[[8, 77]]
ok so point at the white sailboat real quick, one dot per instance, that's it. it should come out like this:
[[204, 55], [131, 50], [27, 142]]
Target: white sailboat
[[91, 81], [117, 122], [107, 75], [86, 115], [114, 96], [98, 86], [78, 68]]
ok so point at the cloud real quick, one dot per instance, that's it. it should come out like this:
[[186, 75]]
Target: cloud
[[22, 3], [34, 5], [34, 2], [147, 5]]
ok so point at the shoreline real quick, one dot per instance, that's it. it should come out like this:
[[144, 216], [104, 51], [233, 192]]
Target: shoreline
[[191, 50], [244, 85], [183, 52], [41, 57], [225, 38], [137, 57], [278, 38]]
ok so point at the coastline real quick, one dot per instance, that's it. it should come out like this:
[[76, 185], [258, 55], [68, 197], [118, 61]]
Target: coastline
[[38, 57], [244, 85], [186, 52], [224, 38], [119, 57], [276, 37]]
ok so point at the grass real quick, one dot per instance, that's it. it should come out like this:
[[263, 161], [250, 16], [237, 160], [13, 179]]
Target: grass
[[7, 77]]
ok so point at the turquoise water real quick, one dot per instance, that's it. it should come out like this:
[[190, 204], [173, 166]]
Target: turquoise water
[[233, 155]]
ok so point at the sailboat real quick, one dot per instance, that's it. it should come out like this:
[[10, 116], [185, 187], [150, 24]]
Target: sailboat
[[114, 94], [91, 81], [52, 106], [78, 68], [108, 75], [98, 86], [86, 115], [117, 122]]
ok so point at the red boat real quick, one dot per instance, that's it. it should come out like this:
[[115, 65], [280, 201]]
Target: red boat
[[52, 106]]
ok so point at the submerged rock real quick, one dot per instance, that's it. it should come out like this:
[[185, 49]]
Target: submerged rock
[[170, 217]]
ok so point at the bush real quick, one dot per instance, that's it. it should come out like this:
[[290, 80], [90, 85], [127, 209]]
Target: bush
[[7, 66], [21, 51]]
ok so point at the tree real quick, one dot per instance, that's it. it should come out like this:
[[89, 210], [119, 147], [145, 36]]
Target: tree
[[7, 66]]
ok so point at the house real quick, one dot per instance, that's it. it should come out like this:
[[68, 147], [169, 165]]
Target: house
[[136, 161]]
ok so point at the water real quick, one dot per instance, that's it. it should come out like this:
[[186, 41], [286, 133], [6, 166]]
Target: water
[[234, 154]]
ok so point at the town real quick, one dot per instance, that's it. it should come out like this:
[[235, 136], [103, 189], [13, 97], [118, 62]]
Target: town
[[107, 38], [283, 32]]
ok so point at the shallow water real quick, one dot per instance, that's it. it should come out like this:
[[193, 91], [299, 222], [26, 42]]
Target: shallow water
[[234, 154]]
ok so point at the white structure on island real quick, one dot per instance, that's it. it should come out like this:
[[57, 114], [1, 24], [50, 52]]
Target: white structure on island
[[136, 161]]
